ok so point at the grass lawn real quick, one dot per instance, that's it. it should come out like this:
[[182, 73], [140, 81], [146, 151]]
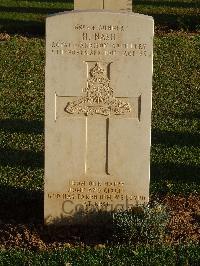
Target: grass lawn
[[175, 155], [100, 256], [28, 16], [176, 113]]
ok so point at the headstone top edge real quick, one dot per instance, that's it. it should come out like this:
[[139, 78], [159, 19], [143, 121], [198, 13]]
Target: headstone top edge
[[100, 11]]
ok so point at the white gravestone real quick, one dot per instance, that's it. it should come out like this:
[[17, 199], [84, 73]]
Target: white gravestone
[[88, 4], [98, 111], [114, 5]]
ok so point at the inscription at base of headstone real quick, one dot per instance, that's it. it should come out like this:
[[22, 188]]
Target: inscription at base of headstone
[[98, 112]]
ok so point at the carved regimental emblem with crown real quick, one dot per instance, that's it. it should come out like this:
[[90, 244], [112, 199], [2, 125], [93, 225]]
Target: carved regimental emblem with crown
[[99, 97]]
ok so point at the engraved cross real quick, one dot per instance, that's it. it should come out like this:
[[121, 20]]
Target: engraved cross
[[98, 105]]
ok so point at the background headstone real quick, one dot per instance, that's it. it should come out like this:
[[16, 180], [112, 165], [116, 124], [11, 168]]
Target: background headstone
[[88, 4], [98, 111], [118, 5], [114, 5]]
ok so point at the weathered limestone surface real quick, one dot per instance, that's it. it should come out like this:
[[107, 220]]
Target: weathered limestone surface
[[98, 111]]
